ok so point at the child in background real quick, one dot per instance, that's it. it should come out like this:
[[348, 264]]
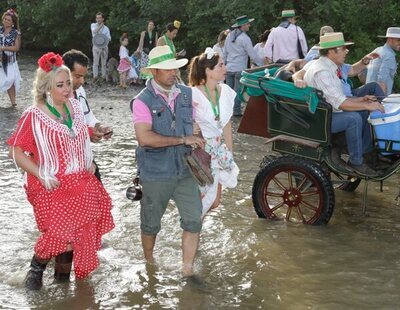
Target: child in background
[[125, 64]]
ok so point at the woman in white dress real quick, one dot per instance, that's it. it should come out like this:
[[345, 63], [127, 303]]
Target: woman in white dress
[[219, 46], [213, 103], [259, 47], [10, 42]]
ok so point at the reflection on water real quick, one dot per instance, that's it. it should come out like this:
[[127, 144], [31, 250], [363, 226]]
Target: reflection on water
[[244, 262]]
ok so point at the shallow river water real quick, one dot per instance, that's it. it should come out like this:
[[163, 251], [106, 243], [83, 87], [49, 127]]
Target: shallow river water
[[245, 262]]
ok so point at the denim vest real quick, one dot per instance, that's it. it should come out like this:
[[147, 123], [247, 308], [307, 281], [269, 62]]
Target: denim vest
[[164, 163]]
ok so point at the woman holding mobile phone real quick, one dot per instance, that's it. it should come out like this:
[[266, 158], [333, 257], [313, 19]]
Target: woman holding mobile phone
[[170, 34]]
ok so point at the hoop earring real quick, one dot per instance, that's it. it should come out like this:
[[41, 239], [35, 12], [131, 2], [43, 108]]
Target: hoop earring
[[49, 99]]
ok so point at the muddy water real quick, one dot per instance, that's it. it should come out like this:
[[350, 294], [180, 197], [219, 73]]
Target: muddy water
[[245, 262]]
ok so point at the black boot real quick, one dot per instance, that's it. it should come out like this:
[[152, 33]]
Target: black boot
[[62, 268], [33, 280]]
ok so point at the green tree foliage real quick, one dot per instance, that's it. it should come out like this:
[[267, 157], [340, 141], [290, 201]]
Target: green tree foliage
[[61, 25]]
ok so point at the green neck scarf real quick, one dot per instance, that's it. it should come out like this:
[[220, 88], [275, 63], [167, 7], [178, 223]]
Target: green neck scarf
[[170, 44]]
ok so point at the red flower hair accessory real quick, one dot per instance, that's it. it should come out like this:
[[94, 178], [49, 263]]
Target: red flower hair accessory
[[50, 61]]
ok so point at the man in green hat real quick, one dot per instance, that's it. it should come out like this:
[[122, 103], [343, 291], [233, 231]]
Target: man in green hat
[[287, 41], [238, 48], [350, 114], [163, 122]]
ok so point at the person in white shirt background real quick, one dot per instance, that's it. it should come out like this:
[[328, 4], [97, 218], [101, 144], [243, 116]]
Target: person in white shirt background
[[100, 53], [259, 47]]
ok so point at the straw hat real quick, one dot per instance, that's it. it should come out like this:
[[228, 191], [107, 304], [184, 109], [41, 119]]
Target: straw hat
[[392, 32], [324, 30], [288, 14], [242, 20], [161, 57], [331, 40]]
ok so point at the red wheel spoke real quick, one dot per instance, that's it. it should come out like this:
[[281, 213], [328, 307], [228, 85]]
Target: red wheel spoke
[[277, 206], [300, 213], [274, 194], [288, 214], [302, 183], [290, 181], [310, 193], [277, 182], [309, 206]]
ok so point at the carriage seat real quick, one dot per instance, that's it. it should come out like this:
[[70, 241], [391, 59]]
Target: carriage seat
[[283, 74]]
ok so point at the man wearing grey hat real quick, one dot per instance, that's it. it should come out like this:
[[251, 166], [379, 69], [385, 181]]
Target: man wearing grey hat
[[238, 49], [383, 69]]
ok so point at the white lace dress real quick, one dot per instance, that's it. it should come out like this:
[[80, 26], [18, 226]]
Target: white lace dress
[[12, 76], [224, 169]]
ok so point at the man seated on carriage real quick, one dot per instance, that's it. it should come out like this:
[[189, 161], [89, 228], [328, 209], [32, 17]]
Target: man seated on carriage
[[344, 72], [299, 67], [349, 113]]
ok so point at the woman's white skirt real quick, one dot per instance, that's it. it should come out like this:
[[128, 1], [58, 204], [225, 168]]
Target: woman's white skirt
[[13, 77]]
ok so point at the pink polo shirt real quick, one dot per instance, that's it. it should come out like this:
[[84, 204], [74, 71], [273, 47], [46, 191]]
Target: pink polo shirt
[[142, 114]]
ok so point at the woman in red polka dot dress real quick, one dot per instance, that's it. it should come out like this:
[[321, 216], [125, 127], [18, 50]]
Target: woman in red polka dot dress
[[52, 145]]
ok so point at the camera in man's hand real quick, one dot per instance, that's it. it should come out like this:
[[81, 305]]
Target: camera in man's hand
[[134, 192]]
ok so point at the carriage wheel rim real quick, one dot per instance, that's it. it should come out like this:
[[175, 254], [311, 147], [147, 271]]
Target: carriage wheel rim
[[292, 198]]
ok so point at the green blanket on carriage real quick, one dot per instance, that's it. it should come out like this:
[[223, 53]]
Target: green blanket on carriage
[[276, 87]]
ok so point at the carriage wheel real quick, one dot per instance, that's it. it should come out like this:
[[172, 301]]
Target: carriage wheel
[[295, 190]]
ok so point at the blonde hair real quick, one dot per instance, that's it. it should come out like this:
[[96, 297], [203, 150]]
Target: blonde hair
[[45, 81]]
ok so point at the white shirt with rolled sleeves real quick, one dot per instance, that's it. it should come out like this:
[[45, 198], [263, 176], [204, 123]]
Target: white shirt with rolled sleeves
[[322, 75], [90, 119]]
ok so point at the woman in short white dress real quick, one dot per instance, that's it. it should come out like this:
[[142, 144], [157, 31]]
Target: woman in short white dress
[[213, 103], [10, 42]]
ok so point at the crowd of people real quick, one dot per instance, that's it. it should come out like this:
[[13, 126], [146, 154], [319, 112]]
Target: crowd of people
[[52, 141]]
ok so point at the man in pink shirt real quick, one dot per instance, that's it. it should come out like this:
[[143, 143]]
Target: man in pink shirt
[[287, 41], [163, 122]]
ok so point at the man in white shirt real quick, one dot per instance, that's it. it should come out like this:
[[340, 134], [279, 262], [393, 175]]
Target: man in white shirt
[[287, 41], [78, 62], [350, 114], [100, 45]]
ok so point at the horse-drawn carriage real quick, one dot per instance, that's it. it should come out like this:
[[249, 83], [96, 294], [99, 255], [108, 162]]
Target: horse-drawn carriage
[[298, 182]]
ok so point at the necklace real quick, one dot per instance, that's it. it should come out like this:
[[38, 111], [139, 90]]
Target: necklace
[[67, 122], [214, 105]]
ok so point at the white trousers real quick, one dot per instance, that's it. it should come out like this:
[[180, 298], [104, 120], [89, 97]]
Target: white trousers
[[100, 58]]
